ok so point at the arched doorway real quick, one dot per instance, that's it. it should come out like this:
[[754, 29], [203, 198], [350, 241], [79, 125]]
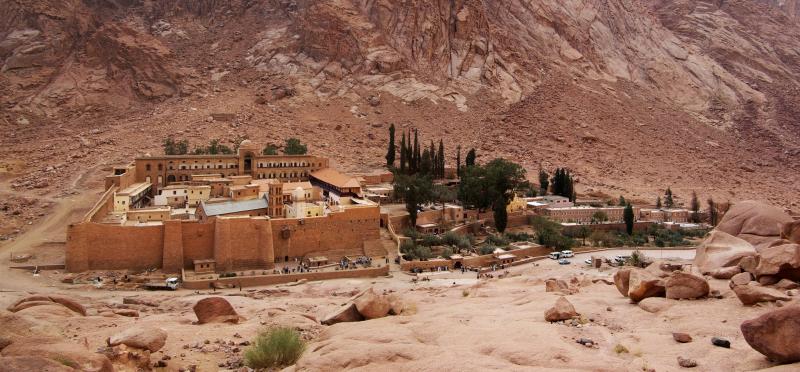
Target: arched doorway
[[248, 163], [171, 178], [457, 265]]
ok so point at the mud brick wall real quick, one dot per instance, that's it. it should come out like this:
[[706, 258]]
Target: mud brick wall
[[98, 246], [198, 242], [259, 280]]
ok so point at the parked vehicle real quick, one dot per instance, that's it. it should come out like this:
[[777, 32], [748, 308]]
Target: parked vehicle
[[554, 255], [170, 284], [588, 261], [567, 253], [563, 261]]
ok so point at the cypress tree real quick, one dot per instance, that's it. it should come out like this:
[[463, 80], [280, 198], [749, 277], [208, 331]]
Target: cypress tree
[[403, 155], [471, 157], [458, 160], [622, 201], [425, 164], [544, 181], [500, 214], [627, 214], [440, 158], [713, 214], [658, 202], [417, 155], [668, 201], [390, 152], [695, 206]]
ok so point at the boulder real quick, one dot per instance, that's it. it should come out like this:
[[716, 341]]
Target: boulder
[[32, 363], [752, 293], [726, 272], [749, 263], [655, 304], [643, 284], [768, 280], [721, 250], [782, 261], [686, 286], [663, 269], [787, 284], [37, 300], [127, 312], [791, 231], [66, 353], [47, 312], [686, 362], [759, 224], [741, 279], [562, 310], [775, 333], [215, 310], [559, 285], [346, 313], [396, 304], [371, 305], [148, 338], [621, 280]]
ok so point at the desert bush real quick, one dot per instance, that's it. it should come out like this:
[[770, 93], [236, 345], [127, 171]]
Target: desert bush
[[619, 349], [518, 237], [497, 240], [430, 240], [487, 249], [276, 347], [447, 252]]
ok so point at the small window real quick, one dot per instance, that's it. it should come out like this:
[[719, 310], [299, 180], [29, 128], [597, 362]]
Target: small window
[[147, 167]]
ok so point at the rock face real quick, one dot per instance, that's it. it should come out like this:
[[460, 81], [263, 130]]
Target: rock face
[[643, 284], [65, 353], [782, 261], [372, 306], [31, 363], [753, 293], [562, 310], [775, 334], [621, 280], [686, 286], [791, 232], [560, 285], [215, 310], [759, 224], [721, 250], [148, 338]]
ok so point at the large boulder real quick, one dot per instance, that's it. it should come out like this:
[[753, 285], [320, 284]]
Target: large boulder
[[741, 279], [726, 272], [791, 231], [721, 250], [37, 300], [32, 363], [66, 353], [148, 338], [622, 281], [371, 305], [686, 286], [782, 261], [560, 285], [215, 310], [655, 304], [753, 293], [562, 310], [757, 223], [643, 284], [775, 334], [346, 313]]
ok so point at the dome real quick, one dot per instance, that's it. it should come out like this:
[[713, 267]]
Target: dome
[[246, 143], [298, 194]]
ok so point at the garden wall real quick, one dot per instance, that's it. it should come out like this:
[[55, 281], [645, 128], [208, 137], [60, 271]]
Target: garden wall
[[261, 280]]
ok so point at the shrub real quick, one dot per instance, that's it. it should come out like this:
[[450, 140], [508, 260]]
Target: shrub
[[276, 347], [487, 249], [464, 243], [451, 238], [518, 237], [429, 240], [619, 349], [423, 253], [411, 233], [497, 240], [447, 252]]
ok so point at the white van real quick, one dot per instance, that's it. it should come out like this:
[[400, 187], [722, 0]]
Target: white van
[[554, 255], [567, 254]]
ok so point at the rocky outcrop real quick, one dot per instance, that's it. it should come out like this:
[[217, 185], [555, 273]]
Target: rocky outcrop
[[149, 338], [686, 286], [782, 262], [346, 313], [38, 300], [372, 306], [364, 306], [721, 250], [643, 284], [775, 333], [561, 286], [562, 310], [32, 363], [726, 272], [622, 280], [759, 224], [64, 352], [215, 310]]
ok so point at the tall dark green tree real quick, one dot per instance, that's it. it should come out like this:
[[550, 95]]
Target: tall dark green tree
[[425, 164], [470, 161], [500, 214], [458, 160], [622, 201], [695, 206], [563, 184], [295, 147], [403, 154], [440, 159], [627, 215], [544, 181], [417, 154], [390, 152], [713, 212], [668, 201], [658, 202]]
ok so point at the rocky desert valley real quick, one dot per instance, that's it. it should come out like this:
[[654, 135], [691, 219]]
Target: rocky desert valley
[[399, 185]]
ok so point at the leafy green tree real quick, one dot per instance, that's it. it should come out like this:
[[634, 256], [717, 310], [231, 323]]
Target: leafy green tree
[[270, 149], [169, 146], [627, 215], [544, 181], [599, 217], [224, 149], [658, 202], [472, 188], [415, 190], [390, 152], [668, 201], [213, 147], [622, 201], [583, 233], [695, 206], [471, 155], [295, 147]]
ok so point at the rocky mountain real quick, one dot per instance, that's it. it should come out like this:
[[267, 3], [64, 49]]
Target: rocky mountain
[[633, 95]]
